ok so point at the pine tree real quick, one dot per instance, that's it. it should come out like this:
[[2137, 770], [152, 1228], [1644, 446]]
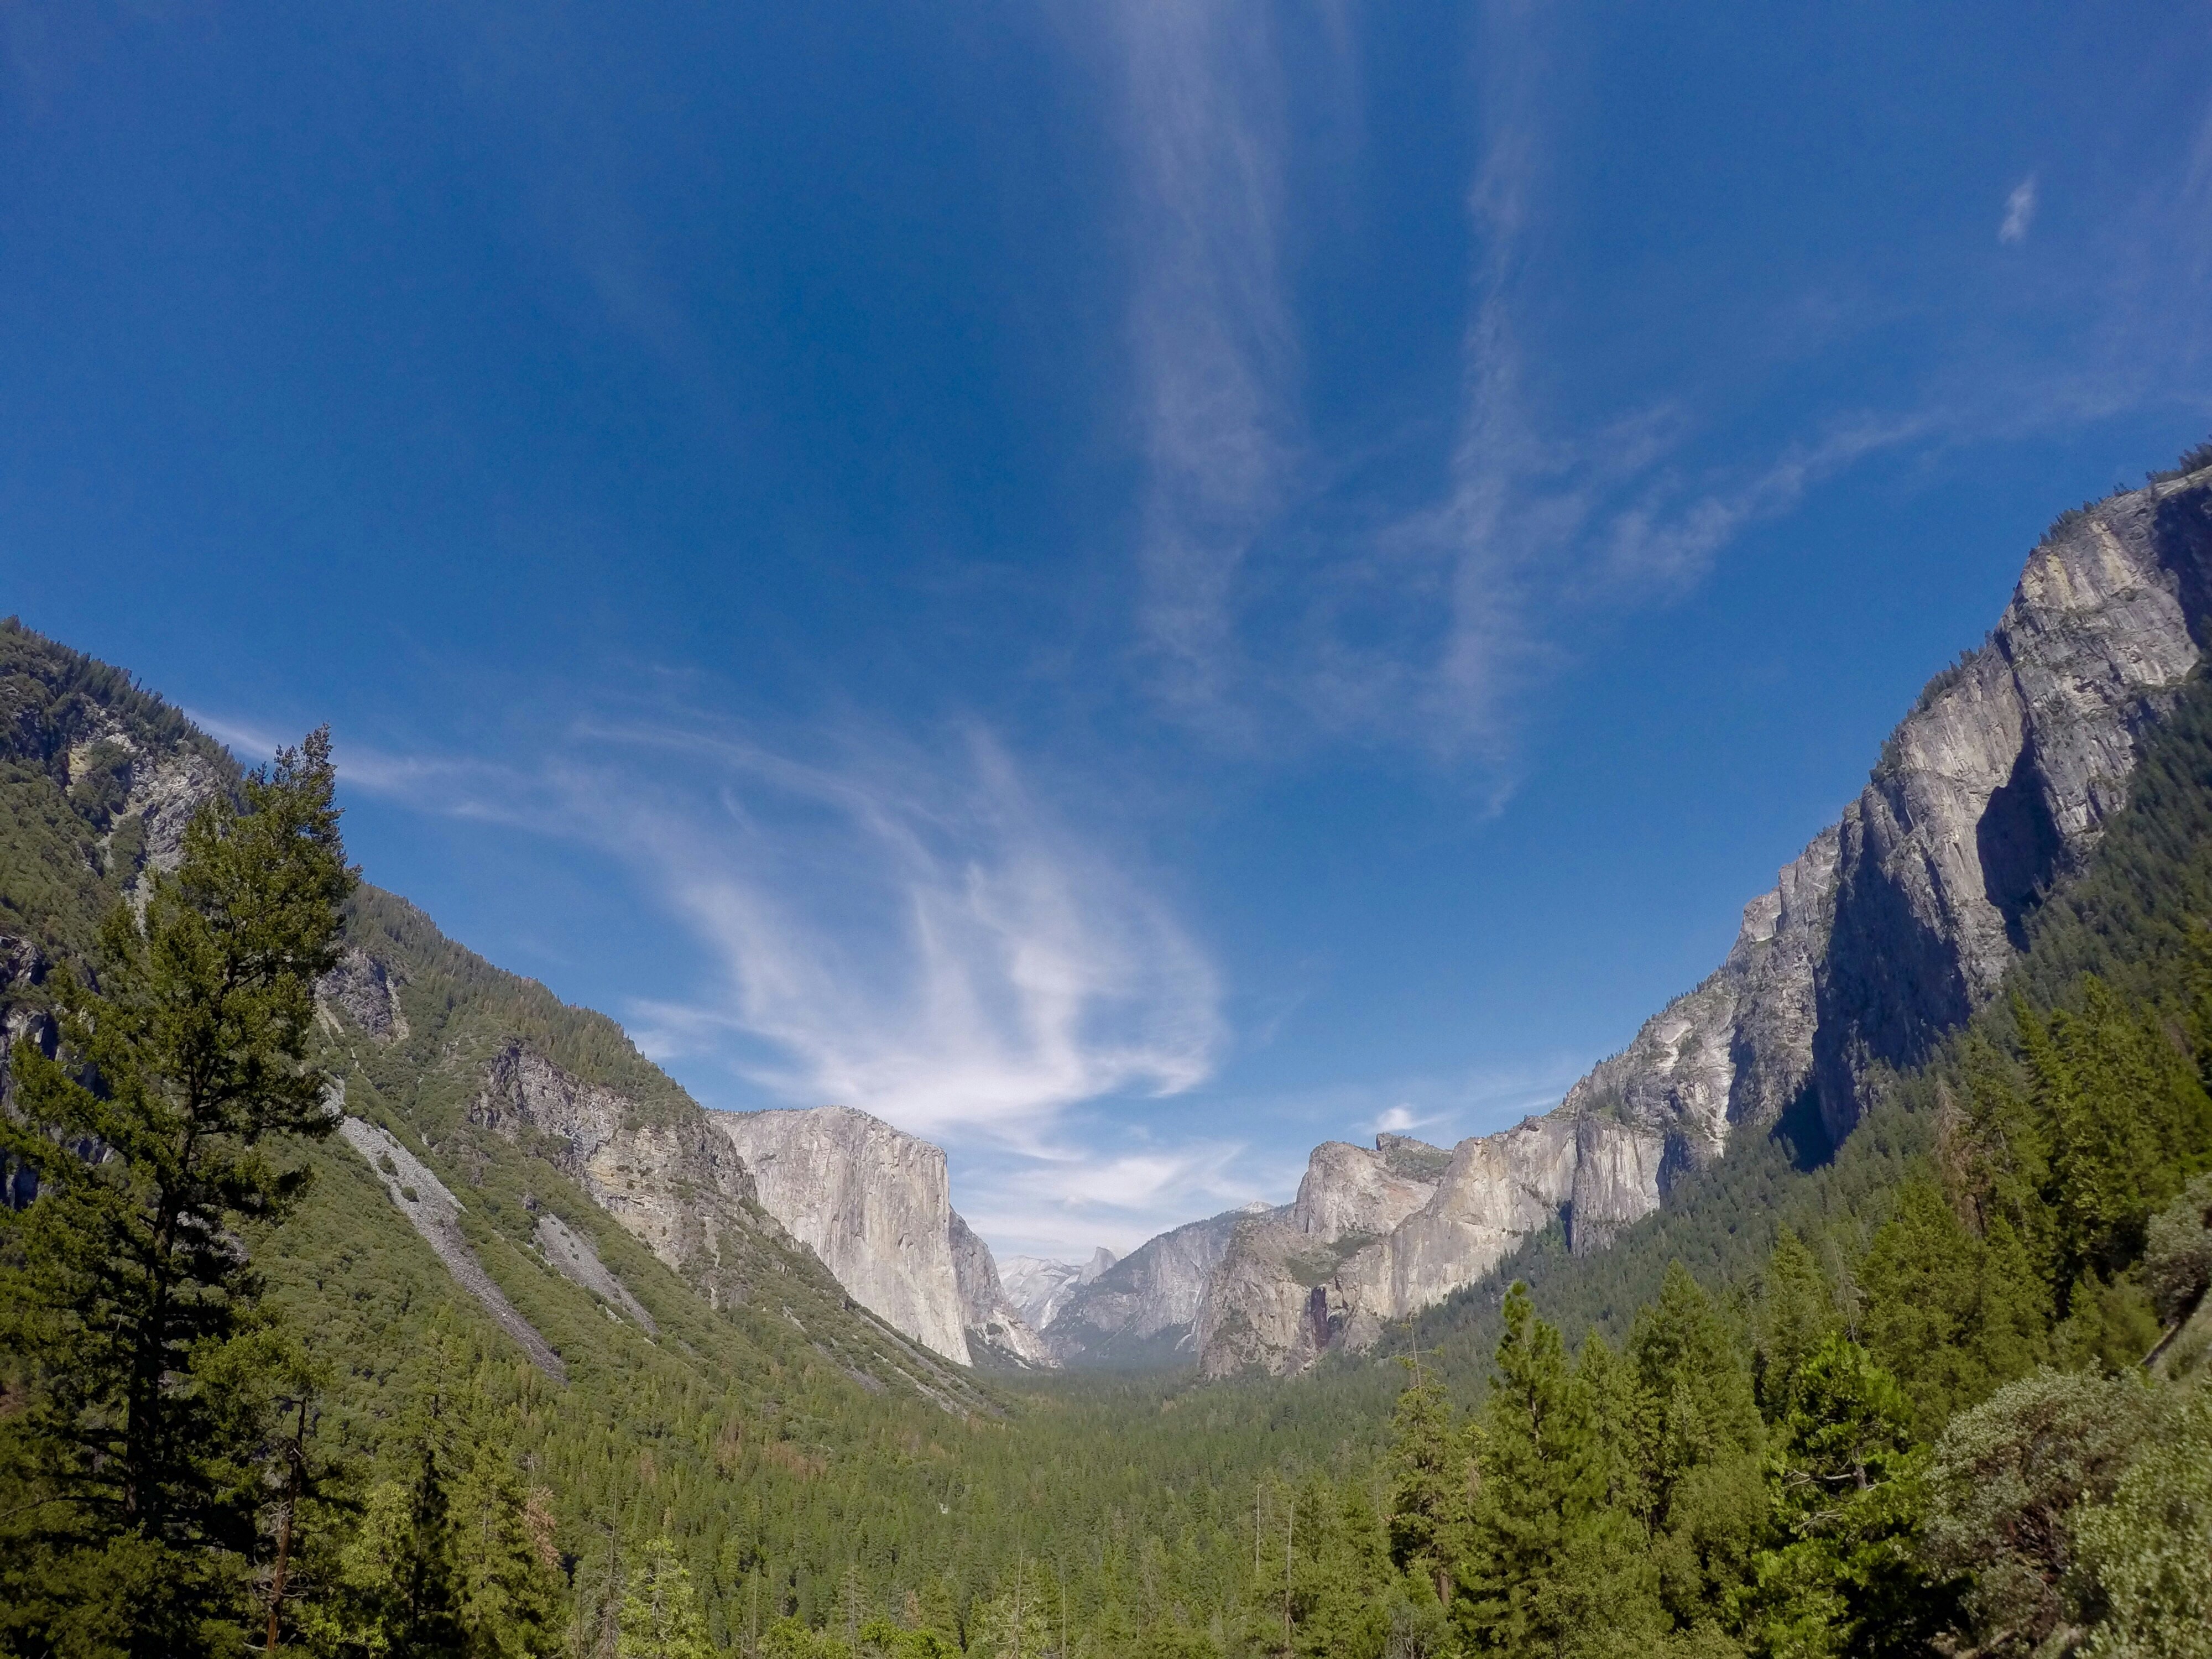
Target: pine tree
[[660, 1617], [1429, 1486], [396, 1589], [506, 1573], [1797, 1315], [1841, 1575], [1704, 1448], [1996, 1145], [1526, 1460], [1953, 1317], [1552, 1566], [425, 1615], [2126, 1119], [131, 1299]]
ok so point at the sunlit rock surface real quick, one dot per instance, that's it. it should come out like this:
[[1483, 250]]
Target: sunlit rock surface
[[872, 1201], [1142, 1311], [1891, 926], [1039, 1287]]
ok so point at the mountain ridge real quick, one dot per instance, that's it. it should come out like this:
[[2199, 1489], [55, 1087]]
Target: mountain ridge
[[1891, 926]]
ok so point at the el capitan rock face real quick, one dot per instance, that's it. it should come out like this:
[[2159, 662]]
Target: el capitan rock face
[[872, 1201], [1891, 927]]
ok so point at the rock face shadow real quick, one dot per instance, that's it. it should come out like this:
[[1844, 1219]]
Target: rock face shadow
[[2021, 849], [1802, 1133]]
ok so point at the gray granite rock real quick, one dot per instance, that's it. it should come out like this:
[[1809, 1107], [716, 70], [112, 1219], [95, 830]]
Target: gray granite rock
[[433, 1211], [1144, 1308], [576, 1258], [1360, 1189], [997, 1333], [1040, 1287], [1893, 926], [365, 990], [872, 1201]]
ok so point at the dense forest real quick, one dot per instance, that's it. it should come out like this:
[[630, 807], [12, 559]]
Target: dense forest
[[1935, 1390]]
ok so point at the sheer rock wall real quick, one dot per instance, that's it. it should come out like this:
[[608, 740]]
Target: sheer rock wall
[[873, 1202], [1891, 926], [1143, 1308]]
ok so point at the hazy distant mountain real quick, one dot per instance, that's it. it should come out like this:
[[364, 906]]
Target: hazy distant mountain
[[1142, 1310], [1039, 1287]]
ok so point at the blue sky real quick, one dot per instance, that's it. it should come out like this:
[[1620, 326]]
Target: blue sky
[[1129, 586]]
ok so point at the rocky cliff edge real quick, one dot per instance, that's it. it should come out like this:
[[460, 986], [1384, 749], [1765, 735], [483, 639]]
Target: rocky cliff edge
[[1891, 926]]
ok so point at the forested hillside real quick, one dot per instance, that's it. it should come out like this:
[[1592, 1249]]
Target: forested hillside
[[1935, 1391]]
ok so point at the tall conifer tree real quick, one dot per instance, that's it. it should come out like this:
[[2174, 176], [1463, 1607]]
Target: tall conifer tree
[[130, 1295]]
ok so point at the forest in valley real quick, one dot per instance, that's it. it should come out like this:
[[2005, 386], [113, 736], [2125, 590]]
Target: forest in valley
[[1933, 1390]]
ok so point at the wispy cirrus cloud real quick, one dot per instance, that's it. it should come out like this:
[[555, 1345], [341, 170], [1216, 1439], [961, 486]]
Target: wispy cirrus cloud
[[1215, 347], [912, 932], [1429, 625], [1666, 540], [919, 936], [2019, 212], [1065, 1203]]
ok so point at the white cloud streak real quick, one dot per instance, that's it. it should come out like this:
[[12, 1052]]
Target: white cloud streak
[[2019, 212], [942, 956], [913, 934], [1214, 346], [1429, 631], [1667, 540], [1063, 1203]]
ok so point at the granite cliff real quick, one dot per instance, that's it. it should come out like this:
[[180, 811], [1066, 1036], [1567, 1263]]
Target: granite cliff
[[1895, 924], [873, 1202], [674, 1185], [997, 1333]]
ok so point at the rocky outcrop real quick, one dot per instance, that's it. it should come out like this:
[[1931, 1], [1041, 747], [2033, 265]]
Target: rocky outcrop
[[576, 1258], [872, 1201], [163, 793], [1360, 1189], [1894, 926], [1039, 1288], [1273, 1300], [1143, 1308], [23, 1011], [673, 1178], [24, 1014], [435, 1213], [365, 990], [675, 1184], [1901, 920], [997, 1333]]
